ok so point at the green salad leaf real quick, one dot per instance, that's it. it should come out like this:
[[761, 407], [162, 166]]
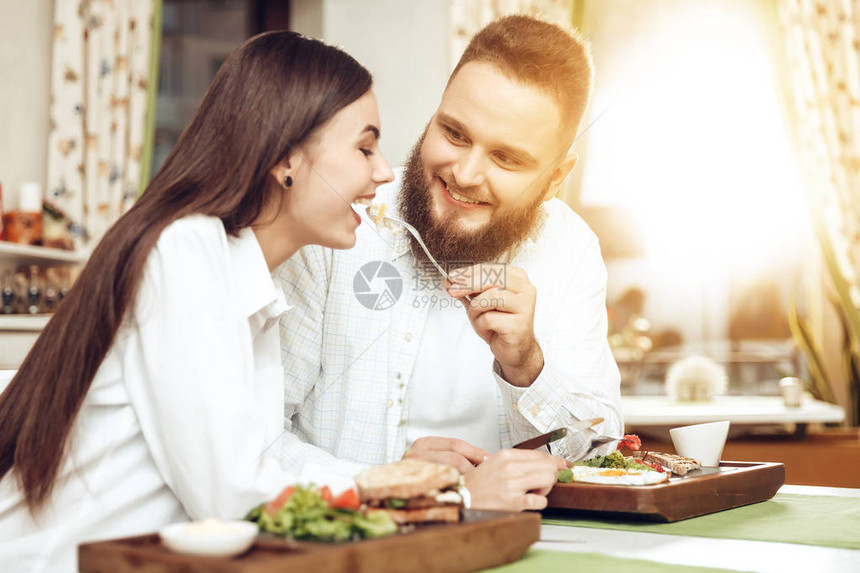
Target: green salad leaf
[[614, 460], [395, 503], [305, 515], [255, 513], [375, 524]]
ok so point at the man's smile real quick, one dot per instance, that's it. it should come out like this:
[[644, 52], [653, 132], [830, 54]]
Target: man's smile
[[458, 199]]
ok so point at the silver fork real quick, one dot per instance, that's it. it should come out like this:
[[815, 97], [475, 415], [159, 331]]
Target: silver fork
[[372, 213], [601, 440]]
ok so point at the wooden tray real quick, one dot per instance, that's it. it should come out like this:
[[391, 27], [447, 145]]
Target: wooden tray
[[483, 539], [703, 491]]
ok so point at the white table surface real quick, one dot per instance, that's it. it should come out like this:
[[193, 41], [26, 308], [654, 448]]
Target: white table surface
[[732, 554], [665, 411]]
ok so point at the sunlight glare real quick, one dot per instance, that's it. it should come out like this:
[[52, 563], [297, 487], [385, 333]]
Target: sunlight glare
[[693, 143]]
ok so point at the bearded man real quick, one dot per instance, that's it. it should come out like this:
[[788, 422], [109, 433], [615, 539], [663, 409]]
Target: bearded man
[[385, 358]]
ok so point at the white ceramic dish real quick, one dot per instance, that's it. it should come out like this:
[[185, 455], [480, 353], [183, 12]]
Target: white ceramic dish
[[703, 442], [211, 537]]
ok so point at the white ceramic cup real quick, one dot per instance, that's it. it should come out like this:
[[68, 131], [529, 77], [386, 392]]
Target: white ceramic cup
[[792, 392], [702, 442]]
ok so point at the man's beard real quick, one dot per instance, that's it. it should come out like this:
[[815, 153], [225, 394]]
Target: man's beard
[[448, 243]]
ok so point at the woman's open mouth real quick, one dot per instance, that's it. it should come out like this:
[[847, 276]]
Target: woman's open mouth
[[362, 202]]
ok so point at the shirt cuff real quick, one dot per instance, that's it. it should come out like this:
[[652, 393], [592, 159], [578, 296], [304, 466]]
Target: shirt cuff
[[534, 409], [547, 405]]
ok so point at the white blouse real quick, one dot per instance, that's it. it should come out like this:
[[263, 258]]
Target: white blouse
[[185, 415]]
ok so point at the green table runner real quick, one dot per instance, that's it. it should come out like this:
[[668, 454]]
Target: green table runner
[[537, 560], [827, 521]]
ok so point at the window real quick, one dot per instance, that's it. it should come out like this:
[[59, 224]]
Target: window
[[685, 138], [197, 36]]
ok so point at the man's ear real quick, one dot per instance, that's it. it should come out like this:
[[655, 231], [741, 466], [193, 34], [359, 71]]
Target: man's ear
[[559, 174]]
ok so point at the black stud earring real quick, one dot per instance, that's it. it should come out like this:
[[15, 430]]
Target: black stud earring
[[288, 181]]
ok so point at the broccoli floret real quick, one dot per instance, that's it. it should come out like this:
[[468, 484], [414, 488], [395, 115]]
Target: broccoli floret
[[595, 462], [614, 460]]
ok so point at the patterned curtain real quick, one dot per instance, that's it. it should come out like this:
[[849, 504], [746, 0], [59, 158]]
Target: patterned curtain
[[468, 17], [821, 41], [100, 74]]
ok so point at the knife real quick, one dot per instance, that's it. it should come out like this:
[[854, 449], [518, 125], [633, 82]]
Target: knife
[[557, 434]]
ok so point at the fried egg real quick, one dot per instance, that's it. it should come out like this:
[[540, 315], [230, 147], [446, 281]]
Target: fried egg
[[617, 476]]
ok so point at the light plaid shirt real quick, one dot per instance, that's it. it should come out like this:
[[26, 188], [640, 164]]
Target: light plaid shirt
[[348, 367]]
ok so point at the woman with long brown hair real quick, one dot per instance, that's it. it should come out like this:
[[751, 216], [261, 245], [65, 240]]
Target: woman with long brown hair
[[155, 393]]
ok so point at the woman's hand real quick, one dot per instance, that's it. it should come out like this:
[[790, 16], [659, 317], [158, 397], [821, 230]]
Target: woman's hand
[[451, 451], [514, 480]]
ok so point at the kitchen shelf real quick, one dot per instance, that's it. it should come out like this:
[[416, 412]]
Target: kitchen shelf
[[15, 254], [23, 322], [18, 332]]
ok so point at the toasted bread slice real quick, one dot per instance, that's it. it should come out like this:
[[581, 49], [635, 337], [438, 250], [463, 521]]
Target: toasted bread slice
[[441, 513], [404, 479]]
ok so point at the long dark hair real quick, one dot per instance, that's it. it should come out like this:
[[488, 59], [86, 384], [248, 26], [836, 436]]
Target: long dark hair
[[271, 94]]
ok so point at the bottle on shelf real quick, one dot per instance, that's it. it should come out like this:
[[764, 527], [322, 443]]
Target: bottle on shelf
[[50, 292], [24, 224], [34, 292], [65, 285], [7, 293]]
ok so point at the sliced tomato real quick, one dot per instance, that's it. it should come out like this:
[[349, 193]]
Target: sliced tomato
[[276, 504], [325, 494], [632, 441], [654, 465], [346, 500]]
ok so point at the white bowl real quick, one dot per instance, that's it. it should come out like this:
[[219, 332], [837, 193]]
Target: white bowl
[[702, 442], [211, 537]]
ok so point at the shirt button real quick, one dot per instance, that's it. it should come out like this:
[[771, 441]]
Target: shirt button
[[516, 405], [390, 403], [408, 337], [399, 375], [535, 410]]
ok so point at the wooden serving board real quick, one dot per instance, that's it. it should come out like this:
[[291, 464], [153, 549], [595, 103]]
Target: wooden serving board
[[482, 539], [702, 491]]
